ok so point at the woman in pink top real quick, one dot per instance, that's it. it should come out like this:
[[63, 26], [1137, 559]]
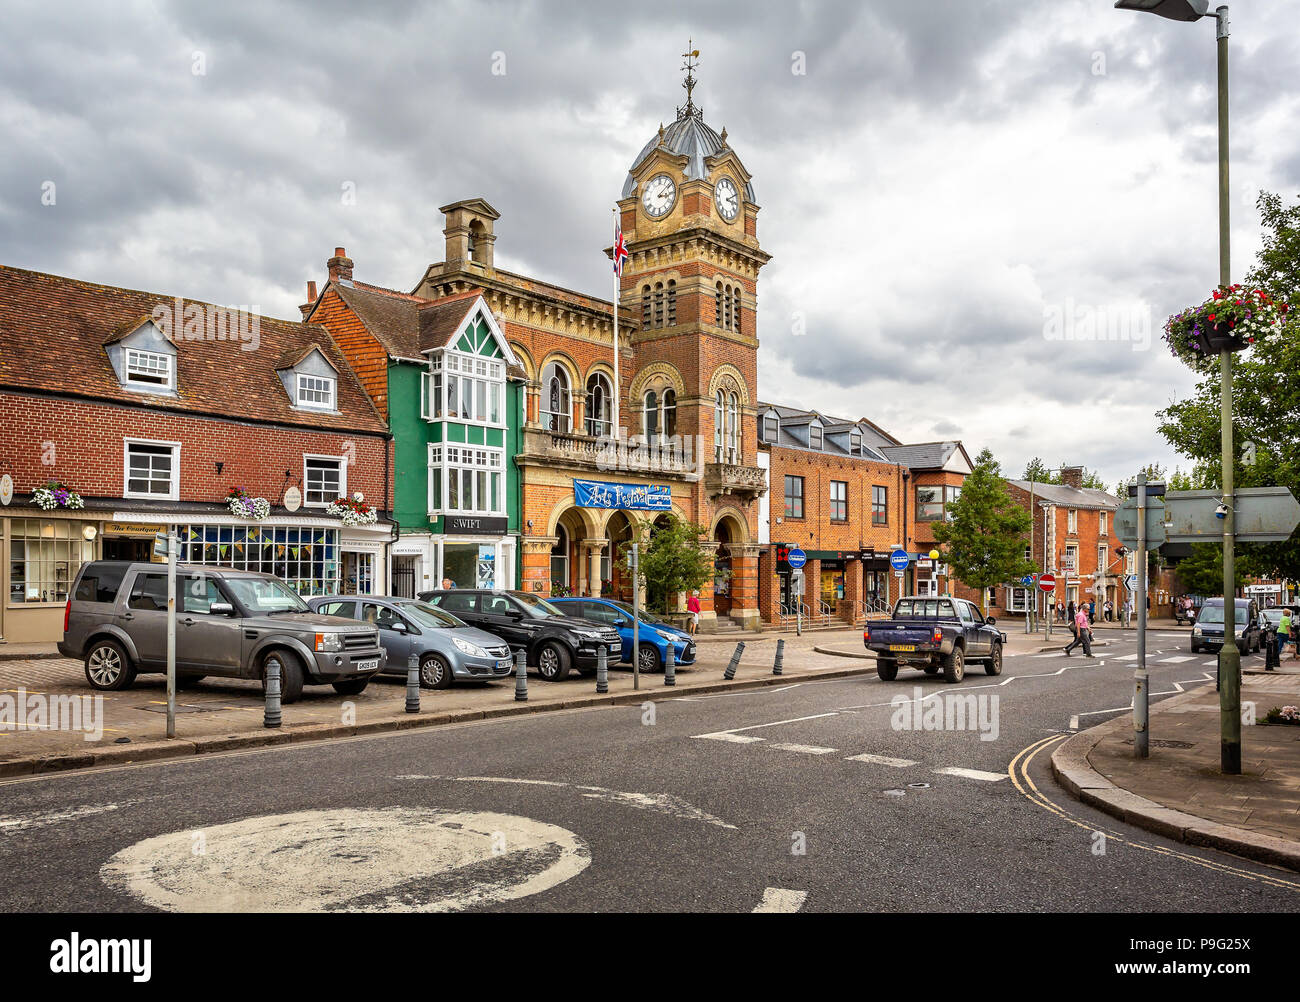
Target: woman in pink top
[[693, 607]]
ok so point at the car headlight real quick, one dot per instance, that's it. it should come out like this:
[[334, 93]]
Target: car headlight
[[672, 638], [329, 641], [465, 647], [590, 635], [1196, 631]]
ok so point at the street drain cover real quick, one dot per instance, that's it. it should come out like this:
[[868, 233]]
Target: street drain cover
[[918, 786]]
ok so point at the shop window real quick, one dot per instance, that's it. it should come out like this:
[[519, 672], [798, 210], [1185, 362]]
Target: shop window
[[44, 557], [307, 559]]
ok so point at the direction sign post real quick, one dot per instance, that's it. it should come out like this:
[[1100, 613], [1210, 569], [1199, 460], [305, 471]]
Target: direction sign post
[[1141, 680]]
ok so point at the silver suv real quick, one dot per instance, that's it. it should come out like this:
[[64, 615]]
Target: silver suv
[[232, 624]]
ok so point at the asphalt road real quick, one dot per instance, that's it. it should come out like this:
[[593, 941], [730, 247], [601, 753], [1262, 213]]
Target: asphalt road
[[815, 797]]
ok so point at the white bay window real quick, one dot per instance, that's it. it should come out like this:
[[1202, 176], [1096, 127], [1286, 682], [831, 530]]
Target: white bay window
[[466, 479]]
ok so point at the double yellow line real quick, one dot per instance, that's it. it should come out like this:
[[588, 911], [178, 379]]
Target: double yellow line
[[1018, 770]]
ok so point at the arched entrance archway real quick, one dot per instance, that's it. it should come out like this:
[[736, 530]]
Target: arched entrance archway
[[722, 564], [619, 531]]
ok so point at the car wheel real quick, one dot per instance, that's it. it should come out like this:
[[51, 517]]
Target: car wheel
[[188, 681], [954, 665], [887, 669], [435, 673], [553, 661], [291, 679], [352, 687], [1195, 649], [649, 662], [994, 665], [107, 666]]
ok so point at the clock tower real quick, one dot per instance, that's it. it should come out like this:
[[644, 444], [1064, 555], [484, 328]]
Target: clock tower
[[688, 303]]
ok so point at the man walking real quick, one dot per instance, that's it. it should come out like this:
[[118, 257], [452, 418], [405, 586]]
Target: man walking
[[1285, 628], [1082, 634]]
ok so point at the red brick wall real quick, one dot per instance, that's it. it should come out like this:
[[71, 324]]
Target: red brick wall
[[80, 443]]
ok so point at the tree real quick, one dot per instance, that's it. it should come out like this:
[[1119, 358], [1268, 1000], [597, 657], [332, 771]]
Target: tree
[[1265, 397], [672, 561], [986, 533], [1202, 572]]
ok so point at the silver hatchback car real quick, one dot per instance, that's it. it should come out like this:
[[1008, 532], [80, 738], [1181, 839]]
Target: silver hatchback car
[[446, 648]]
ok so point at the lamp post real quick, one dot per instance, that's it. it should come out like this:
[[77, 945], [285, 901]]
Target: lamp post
[[1229, 656]]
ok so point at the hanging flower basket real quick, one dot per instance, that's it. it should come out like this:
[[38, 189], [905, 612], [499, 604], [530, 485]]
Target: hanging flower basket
[[1232, 319], [352, 511], [244, 505], [56, 495]]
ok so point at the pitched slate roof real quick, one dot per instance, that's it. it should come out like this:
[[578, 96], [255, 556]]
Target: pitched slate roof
[[1071, 497], [793, 416], [925, 456], [54, 333]]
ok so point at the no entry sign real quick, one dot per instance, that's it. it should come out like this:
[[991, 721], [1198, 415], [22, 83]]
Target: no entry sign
[[1047, 582]]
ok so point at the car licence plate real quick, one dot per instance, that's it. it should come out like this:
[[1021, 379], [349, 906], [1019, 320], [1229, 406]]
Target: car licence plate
[[902, 647], [370, 665], [505, 663]]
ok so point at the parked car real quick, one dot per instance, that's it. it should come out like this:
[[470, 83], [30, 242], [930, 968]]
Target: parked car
[[935, 634], [553, 642], [655, 634], [1207, 634], [448, 649], [232, 624]]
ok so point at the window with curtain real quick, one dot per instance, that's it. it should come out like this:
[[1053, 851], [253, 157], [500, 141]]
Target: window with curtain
[[557, 415]]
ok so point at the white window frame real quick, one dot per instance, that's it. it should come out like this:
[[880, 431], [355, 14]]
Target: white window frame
[[1101, 525], [1072, 521], [167, 384], [1018, 598], [776, 428], [174, 492], [440, 458], [564, 416], [333, 383], [343, 479]]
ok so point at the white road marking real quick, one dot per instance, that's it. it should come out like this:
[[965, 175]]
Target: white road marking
[[1039, 657], [18, 822], [1209, 664], [1127, 657], [739, 739], [393, 860], [777, 900], [662, 803], [805, 749], [895, 763], [1074, 722], [984, 777], [717, 735], [1175, 661]]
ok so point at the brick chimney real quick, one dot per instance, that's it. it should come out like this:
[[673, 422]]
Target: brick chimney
[[305, 308], [1072, 476], [340, 266]]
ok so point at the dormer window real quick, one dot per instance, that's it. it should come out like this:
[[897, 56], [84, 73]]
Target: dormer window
[[148, 367], [815, 436], [855, 444], [315, 392], [770, 428]]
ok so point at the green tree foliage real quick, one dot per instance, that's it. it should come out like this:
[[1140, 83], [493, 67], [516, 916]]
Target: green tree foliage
[[1202, 572], [672, 561], [1265, 397], [986, 533]]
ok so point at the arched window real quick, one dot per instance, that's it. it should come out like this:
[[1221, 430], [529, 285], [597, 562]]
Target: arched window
[[647, 311], [672, 304], [733, 429], [670, 413], [560, 560], [557, 415], [719, 425], [650, 415], [599, 405]]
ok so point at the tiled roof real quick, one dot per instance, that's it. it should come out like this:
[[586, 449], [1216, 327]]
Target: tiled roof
[[392, 317], [440, 320], [1070, 497], [53, 334], [925, 456]]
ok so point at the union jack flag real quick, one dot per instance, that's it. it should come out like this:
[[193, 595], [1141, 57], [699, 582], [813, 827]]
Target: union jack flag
[[620, 250]]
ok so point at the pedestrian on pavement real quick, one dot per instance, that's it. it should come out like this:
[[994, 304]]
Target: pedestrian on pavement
[[1286, 629], [1070, 610], [1092, 611], [1109, 611], [1082, 634], [693, 607]]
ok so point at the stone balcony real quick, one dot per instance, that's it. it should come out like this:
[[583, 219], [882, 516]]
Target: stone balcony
[[744, 482], [671, 458]]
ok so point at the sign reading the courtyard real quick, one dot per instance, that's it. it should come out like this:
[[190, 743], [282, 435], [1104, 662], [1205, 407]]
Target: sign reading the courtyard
[[625, 497]]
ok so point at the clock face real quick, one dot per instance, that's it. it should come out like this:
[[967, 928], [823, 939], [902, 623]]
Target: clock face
[[726, 199], [659, 196]]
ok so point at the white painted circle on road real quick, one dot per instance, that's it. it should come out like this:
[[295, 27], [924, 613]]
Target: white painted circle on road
[[391, 860]]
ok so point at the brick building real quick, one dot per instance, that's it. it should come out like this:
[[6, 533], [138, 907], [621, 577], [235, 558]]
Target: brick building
[[151, 408]]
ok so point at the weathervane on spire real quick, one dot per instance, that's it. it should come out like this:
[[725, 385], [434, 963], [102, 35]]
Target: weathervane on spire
[[691, 55]]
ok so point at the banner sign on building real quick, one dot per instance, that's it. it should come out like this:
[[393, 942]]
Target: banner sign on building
[[625, 497]]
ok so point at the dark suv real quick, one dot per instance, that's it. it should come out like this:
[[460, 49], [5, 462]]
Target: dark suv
[[229, 623], [553, 642]]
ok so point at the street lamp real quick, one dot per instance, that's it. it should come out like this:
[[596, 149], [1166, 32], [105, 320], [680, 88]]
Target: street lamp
[[1229, 656]]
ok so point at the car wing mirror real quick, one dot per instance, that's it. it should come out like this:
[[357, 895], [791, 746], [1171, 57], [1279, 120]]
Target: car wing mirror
[[620, 622], [221, 609], [397, 626], [992, 622]]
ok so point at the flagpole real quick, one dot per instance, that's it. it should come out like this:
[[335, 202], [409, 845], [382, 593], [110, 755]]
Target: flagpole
[[617, 275]]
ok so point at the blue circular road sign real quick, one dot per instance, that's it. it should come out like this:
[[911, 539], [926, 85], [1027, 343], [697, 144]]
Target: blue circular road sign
[[899, 560], [797, 558]]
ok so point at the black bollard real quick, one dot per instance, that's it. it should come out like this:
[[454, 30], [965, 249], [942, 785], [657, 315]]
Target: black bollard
[[670, 664], [730, 673], [602, 672], [271, 715], [521, 677], [779, 664], [413, 684]]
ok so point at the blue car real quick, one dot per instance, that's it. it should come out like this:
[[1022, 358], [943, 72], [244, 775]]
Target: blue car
[[655, 637]]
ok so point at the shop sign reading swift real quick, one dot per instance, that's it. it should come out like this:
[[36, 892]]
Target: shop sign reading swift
[[472, 525], [626, 497]]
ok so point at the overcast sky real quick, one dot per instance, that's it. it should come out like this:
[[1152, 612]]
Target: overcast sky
[[943, 181]]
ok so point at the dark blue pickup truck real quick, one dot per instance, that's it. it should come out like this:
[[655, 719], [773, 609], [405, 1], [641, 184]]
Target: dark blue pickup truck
[[935, 634]]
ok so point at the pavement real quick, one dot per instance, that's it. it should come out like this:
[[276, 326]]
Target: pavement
[[1179, 790], [223, 714], [820, 794]]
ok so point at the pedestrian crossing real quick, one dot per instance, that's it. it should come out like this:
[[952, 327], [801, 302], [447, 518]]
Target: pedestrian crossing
[[885, 761]]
